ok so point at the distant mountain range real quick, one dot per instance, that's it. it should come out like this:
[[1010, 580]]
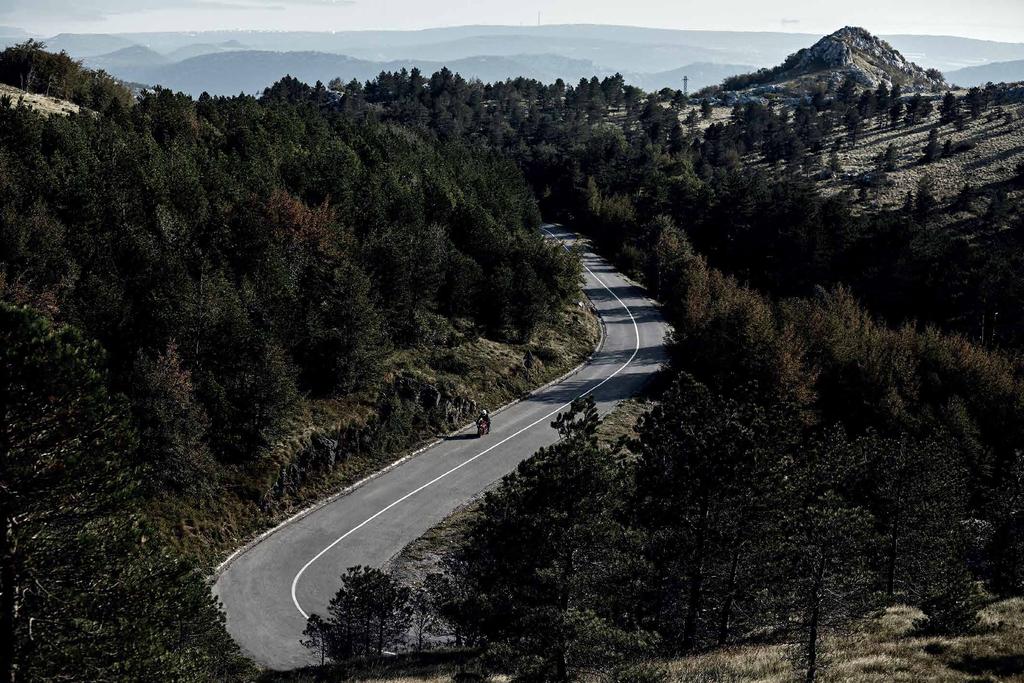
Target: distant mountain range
[[227, 62], [998, 72], [249, 71]]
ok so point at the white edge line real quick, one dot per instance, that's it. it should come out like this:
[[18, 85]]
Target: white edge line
[[636, 331]]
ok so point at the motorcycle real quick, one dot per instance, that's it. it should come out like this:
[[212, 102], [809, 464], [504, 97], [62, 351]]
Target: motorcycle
[[483, 426]]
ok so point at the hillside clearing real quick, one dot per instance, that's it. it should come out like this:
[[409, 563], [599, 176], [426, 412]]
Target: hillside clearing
[[40, 103]]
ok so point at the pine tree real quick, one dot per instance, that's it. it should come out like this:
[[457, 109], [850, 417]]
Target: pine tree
[[61, 435], [949, 111], [317, 637], [834, 163], [369, 614], [564, 606], [975, 100], [889, 158], [826, 547], [84, 585], [932, 150], [691, 121], [697, 454], [172, 425], [706, 109]]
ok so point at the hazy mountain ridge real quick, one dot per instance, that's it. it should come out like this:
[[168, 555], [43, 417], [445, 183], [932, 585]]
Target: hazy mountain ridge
[[737, 47], [127, 59], [250, 71], [199, 49], [996, 72], [549, 52]]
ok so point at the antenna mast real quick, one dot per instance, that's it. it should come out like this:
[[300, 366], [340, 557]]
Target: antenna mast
[[686, 85]]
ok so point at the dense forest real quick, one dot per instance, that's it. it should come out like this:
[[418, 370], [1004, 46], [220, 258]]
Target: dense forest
[[841, 427], [199, 267], [611, 159]]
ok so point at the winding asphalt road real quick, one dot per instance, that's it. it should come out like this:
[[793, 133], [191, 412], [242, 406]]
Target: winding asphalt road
[[268, 590]]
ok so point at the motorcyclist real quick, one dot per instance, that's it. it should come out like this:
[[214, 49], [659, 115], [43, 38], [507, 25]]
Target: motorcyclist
[[483, 422]]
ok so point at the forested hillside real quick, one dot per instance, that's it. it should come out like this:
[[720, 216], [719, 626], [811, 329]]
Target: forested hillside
[[747, 191], [842, 430], [236, 261]]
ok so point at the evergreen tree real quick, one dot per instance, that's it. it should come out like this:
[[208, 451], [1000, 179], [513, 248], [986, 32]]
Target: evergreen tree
[[369, 614], [706, 109], [949, 111], [932, 150], [560, 608], [80, 589], [889, 158], [826, 547], [317, 637], [172, 425], [698, 454], [691, 121]]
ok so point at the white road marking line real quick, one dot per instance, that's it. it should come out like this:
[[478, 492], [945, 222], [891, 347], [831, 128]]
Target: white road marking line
[[636, 331]]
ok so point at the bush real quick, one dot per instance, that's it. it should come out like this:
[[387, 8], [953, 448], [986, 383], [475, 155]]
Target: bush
[[964, 146], [952, 609]]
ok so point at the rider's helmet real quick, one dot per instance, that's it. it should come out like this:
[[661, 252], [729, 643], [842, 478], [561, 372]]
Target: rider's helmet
[[485, 413]]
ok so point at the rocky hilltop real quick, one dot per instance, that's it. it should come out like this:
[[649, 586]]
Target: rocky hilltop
[[849, 52]]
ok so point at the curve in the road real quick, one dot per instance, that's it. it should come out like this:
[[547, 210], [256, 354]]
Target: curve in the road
[[380, 517], [636, 350]]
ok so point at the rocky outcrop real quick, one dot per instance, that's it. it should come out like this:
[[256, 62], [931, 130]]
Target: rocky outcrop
[[408, 410], [869, 59], [849, 52]]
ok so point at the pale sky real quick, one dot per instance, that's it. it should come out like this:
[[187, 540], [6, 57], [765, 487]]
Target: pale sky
[[989, 19]]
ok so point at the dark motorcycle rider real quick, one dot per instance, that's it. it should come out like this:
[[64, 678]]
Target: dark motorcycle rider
[[483, 422]]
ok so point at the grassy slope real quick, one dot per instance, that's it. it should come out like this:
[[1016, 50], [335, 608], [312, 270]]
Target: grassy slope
[[489, 372], [998, 148], [41, 103], [881, 648]]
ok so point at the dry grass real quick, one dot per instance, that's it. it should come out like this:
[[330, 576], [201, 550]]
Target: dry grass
[[433, 666], [494, 373], [619, 423], [880, 649], [41, 103]]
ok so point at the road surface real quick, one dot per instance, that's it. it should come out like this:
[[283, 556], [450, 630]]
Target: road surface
[[268, 590]]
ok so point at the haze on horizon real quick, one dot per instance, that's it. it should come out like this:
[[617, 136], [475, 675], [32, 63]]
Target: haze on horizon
[[1001, 20]]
